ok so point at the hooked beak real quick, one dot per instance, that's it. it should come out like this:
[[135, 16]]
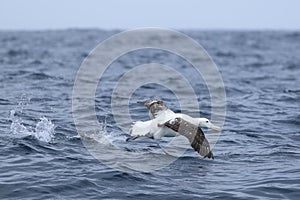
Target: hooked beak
[[216, 128]]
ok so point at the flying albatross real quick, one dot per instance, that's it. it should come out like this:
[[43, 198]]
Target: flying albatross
[[166, 123]]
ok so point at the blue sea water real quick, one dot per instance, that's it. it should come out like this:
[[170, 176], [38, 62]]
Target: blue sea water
[[256, 157]]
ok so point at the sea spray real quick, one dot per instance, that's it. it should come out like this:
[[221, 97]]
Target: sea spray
[[43, 131]]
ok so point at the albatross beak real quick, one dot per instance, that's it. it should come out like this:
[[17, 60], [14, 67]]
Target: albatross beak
[[214, 127]]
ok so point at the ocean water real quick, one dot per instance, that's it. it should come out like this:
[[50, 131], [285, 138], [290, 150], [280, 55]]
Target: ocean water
[[256, 157]]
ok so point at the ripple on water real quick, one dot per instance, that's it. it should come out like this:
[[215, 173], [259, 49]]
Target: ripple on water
[[42, 156]]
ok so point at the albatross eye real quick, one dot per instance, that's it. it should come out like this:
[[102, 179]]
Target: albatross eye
[[207, 121]]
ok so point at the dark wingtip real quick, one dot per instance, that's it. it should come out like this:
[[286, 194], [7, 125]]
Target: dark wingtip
[[210, 155]]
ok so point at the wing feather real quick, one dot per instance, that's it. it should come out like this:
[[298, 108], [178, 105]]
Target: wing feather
[[155, 106], [193, 133]]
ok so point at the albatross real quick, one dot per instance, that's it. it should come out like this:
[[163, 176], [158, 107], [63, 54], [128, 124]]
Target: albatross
[[166, 123]]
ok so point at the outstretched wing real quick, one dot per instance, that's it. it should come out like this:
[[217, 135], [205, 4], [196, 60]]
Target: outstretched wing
[[193, 133], [155, 106]]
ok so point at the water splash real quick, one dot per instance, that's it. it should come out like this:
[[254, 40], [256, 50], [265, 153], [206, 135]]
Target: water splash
[[100, 136], [17, 126], [43, 131]]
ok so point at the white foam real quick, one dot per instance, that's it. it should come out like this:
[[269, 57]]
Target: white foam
[[43, 131]]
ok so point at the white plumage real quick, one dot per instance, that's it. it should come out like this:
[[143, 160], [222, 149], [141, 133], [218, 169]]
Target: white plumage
[[154, 128], [166, 123]]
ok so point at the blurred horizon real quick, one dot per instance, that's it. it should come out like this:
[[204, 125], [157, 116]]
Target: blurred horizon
[[231, 15], [124, 29]]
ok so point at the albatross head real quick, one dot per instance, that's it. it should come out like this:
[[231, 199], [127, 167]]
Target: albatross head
[[203, 122]]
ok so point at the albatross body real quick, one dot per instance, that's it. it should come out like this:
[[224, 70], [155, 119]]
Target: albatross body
[[166, 123]]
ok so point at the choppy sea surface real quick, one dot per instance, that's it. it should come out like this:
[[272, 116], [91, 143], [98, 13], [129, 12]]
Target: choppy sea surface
[[256, 157]]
